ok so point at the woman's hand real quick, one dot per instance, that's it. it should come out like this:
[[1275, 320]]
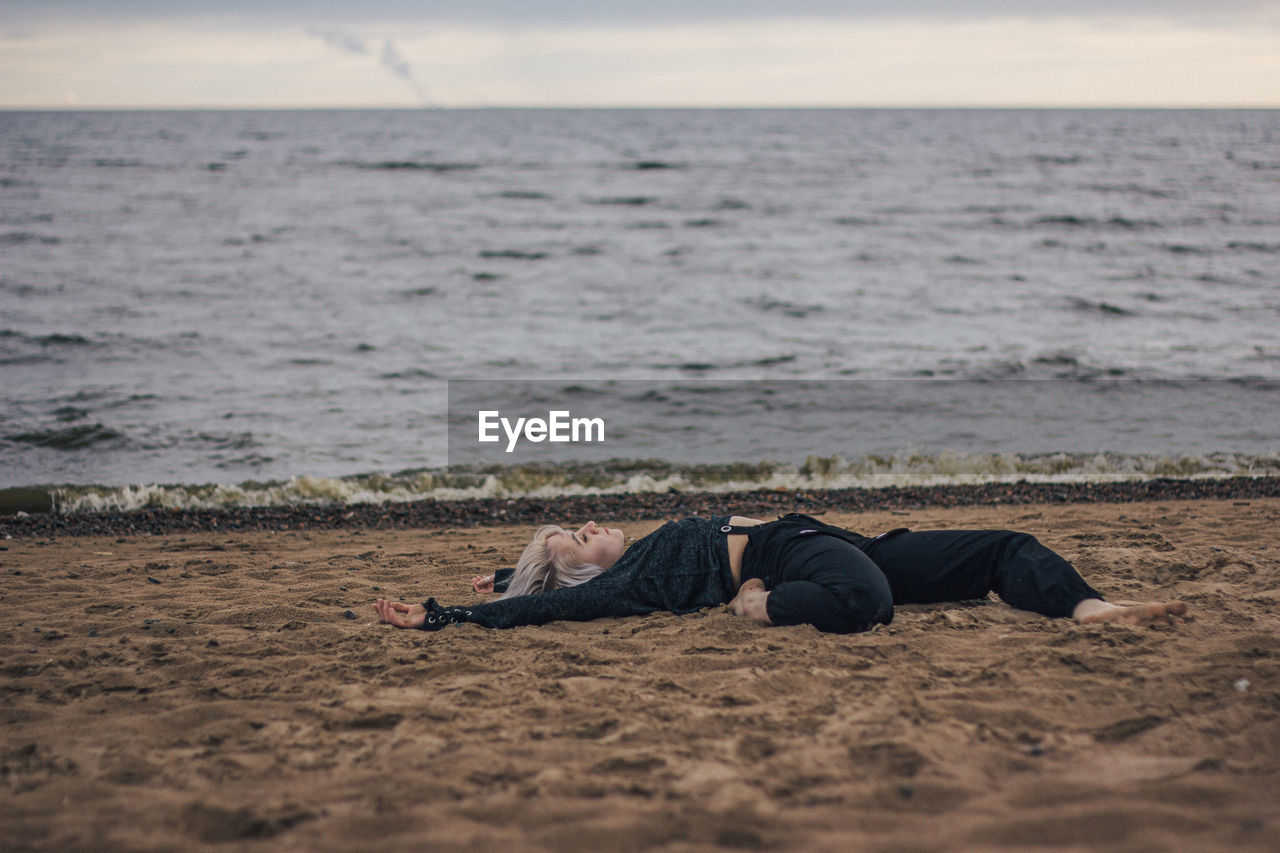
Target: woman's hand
[[400, 614], [482, 584]]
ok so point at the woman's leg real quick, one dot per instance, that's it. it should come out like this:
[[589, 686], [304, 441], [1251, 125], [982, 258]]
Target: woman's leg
[[827, 583], [953, 565]]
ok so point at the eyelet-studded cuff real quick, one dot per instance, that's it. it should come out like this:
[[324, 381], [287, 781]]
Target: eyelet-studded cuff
[[438, 617]]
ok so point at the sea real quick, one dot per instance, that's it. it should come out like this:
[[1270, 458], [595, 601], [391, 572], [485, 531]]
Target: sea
[[251, 308]]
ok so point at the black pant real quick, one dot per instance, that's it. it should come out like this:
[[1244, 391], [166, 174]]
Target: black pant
[[818, 575]]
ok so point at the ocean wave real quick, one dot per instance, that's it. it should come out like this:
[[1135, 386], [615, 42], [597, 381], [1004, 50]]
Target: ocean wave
[[69, 438], [1249, 246], [409, 373], [1070, 222], [19, 238], [52, 339], [703, 367], [21, 218], [903, 469], [790, 309], [1115, 222], [1131, 188], [513, 254], [652, 165], [69, 413], [523, 195], [415, 166], [1103, 308]]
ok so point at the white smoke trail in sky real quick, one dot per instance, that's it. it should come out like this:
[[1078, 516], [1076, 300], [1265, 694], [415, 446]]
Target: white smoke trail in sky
[[345, 42], [395, 62], [389, 57]]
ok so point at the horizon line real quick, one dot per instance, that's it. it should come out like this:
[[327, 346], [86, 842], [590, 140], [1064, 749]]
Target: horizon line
[[637, 107]]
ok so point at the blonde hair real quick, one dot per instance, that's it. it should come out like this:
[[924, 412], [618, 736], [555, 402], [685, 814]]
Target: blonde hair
[[542, 568]]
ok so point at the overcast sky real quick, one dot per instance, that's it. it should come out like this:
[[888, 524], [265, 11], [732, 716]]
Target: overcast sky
[[407, 53]]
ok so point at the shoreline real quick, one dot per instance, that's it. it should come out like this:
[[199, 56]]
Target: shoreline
[[632, 506]]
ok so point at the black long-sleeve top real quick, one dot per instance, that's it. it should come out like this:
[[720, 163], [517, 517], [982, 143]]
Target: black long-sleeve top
[[681, 567], [502, 579]]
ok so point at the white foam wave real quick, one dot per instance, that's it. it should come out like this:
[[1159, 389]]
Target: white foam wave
[[903, 469]]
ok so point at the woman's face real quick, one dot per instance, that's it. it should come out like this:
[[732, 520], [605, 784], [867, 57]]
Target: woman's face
[[591, 543]]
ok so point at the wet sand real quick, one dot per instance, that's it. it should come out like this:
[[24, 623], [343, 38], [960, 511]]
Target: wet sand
[[196, 689]]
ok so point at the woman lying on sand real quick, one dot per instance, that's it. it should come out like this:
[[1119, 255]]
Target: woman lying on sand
[[796, 570]]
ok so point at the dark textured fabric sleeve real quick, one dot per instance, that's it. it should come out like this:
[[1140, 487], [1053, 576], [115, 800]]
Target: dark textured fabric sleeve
[[502, 579], [600, 597]]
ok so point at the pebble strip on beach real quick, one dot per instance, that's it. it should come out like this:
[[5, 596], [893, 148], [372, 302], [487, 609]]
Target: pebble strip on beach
[[634, 506]]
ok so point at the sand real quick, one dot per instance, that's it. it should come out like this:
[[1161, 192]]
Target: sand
[[232, 690]]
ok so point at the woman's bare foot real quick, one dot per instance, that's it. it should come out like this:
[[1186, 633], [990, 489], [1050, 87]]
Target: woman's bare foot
[[751, 601], [1094, 610]]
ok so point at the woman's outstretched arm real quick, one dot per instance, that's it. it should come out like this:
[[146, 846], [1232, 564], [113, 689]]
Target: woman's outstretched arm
[[595, 599], [603, 596]]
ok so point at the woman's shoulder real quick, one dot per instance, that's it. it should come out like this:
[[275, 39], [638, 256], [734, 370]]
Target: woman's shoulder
[[697, 522], [689, 526]]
